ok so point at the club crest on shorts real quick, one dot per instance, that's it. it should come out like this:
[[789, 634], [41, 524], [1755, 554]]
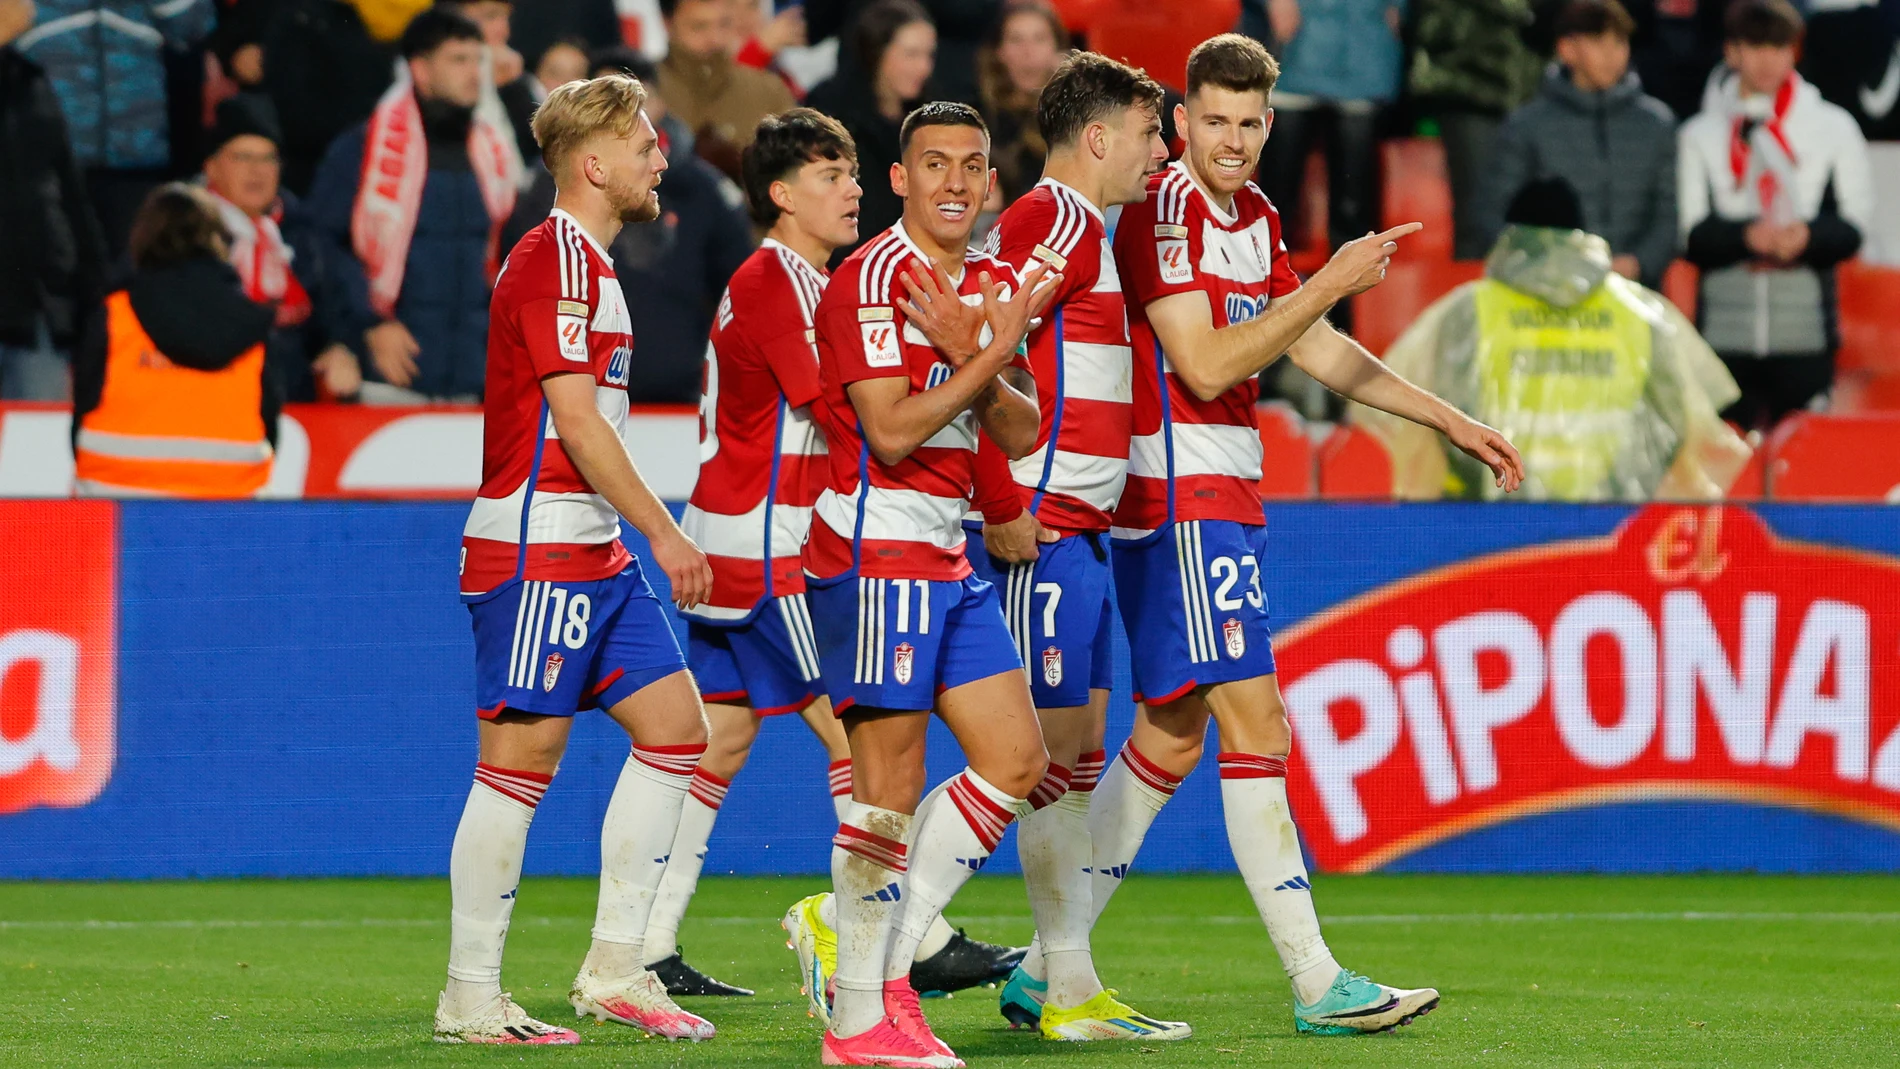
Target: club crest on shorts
[[552, 672], [901, 658], [1236, 637], [1052, 666]]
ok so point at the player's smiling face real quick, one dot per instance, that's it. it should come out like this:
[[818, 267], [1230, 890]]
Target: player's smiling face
[[1225, 130], [823, 196], [634, 165], [944, 177]]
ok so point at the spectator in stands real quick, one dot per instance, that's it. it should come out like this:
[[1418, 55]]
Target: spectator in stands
[[764, 38], [1603, 385], [895, 40], [324, 70], [52, 258], [170, 398], [1339, 64], [961, 28], [564, 61], [106, 62], [508, 100], [238, 41], [1470, 67], [1023, 51], [274, 252], [1676, 44], [719, 99], [536, 25], [411, 254], [1592, 125], [1775, 190], [675, 268]]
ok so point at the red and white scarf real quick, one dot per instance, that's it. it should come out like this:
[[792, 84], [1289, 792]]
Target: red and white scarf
[[1763, 154], [263, 259], [395, 168]]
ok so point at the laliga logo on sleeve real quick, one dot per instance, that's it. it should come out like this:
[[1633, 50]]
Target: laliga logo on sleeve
[[56, 653], [878, 329], [1690, 655]]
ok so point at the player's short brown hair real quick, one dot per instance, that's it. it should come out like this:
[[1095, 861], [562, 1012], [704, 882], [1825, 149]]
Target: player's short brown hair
[[1762, 22], [784, 143], [577, 111], [1088, 87], [1234, 62]]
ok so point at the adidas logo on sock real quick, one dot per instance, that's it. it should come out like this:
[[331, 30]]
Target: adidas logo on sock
[[1114, 871], [974, 864], [888, 893], [1297, 883]]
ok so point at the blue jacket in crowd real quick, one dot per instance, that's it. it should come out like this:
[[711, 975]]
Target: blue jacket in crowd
[[1344, 50], [444, 299], [105, 59]]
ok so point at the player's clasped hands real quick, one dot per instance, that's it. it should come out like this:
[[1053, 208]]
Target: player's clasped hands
[[1360, 264], [686, 568], [1013, 318], [955, 328]]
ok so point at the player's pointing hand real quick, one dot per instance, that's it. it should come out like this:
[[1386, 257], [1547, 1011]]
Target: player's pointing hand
[[1360, 264], [686, 569]]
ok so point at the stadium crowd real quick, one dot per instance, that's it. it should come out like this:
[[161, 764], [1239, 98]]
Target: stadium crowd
[[371, 160]]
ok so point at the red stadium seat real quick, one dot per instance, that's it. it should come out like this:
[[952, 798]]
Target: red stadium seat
[[1418, 191], [1381, 314], [1354, 464], [1750, 484], [1835, 458], [1870, 318], [1679, 285], [1158, 37], [1287, 469]]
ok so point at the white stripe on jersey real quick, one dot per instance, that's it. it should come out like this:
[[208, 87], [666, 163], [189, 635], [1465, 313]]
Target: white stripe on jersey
[[880, 265], [573, 518], [1095, 481], [1199, 449], [1093, 371]]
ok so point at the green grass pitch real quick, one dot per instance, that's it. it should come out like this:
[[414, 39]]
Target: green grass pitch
[[1536, 971]]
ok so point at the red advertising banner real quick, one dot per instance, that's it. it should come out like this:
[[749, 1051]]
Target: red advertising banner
[[1692, 654], [58, 624]]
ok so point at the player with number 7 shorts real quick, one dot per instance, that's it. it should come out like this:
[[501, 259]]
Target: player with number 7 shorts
[[1046, 540], [564, 619], [903, 628], [1213, 301]]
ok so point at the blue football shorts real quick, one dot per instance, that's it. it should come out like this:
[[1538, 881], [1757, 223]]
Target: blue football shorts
[[1057, 607], [769, 662], [1193, 606], [898, 643], [557, 648]]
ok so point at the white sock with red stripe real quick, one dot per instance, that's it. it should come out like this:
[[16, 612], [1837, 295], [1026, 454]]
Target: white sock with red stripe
[[841, 787], [1132, 793], [484, 870], [643, 816], [958, 826], [1088, 772], [1053, 843], [868, 863], [1267, 848], [683, 864]]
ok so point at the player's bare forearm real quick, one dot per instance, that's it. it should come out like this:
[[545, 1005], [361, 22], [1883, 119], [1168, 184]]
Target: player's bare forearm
[[1211, 361], [896, 421], [1344, 366], [1007, 411], [601, 457]]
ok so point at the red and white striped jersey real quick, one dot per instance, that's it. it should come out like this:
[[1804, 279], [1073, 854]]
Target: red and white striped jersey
[[761, 455], [557, 308], [1192, 459], [903, 520], [1080, 357]]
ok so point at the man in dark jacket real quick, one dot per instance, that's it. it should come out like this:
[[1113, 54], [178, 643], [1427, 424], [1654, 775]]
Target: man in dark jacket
[[1592, 126], [410, 256], [52, 259], [675, 268]]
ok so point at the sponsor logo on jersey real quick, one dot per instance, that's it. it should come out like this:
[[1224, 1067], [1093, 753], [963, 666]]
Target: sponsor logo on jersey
[[56, 653], [1052, 666], [552, 672], [881, 347], [619, 366], [901, 660], [1241, 307], [1172, 253], [1235, 637], [572, 331], [1690, 654], [938, 374]]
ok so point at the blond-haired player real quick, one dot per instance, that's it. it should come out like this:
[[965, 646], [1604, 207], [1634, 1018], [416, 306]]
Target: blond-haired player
[[564, 619]]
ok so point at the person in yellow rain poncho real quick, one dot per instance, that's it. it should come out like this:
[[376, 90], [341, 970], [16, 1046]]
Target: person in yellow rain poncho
[[1606, 388]]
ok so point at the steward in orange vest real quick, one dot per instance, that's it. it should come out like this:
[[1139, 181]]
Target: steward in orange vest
[[170, 397]]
